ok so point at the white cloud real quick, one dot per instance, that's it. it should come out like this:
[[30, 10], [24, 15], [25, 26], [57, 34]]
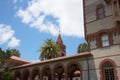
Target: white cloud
[[6, 34], [68, 12], [14, 42], [25, 15]]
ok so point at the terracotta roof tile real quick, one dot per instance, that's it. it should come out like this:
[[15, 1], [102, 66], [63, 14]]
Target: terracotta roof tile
[[54, 59], [18, 59]]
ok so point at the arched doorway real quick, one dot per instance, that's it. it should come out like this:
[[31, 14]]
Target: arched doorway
[[74, 72], [59, 73], [17, 75], [35, 74], [26, 75], [46, 73]]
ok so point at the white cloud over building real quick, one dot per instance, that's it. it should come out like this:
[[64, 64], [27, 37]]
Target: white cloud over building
[[67, 13]]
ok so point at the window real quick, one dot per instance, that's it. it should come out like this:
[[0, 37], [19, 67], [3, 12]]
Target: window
[[100, 11], [108, 71], [105, 40]]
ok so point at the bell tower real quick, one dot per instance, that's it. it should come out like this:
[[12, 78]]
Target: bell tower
[[59, 42]]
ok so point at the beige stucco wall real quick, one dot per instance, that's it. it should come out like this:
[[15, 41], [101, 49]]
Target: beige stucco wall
[[93, 44], [90, 10], [90, 13], [106, 51], [116, 39], [93, 75], [89, 2], [108, 10], [94, 25], [84, 75], [98, 25]]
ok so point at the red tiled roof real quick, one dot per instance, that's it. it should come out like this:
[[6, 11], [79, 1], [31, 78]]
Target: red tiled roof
[[18, 59], [55, 59]]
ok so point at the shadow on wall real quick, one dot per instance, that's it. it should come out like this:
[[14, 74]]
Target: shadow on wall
[[92, 69]]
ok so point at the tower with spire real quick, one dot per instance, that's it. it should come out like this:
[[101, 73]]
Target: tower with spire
[[59, 42]]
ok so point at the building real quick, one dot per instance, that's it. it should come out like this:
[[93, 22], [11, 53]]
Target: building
[[101, 62], [102, 31]]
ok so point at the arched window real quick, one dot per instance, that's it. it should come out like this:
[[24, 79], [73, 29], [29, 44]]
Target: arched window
[[100, 12], [104, 40], [108, 71]]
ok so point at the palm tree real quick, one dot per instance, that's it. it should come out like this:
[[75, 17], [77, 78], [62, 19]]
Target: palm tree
[[48, 50], [83, 47]]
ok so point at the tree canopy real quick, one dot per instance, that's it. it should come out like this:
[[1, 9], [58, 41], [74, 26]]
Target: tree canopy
[[83, 47], [48, 50], [5, 55], [6, 75]]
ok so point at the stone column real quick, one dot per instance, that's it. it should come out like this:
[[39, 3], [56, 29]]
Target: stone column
[[52, 74], [30, 76], [118, 7], [41, 76], [66, 75], [22, 76], [113, 8]]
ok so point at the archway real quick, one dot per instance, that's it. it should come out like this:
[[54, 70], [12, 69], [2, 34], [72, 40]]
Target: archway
[[35, 74], [17, 75], [46, 73], [74, 72], [59, 72], [26, 75]]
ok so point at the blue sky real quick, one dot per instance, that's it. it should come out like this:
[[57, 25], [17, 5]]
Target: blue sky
[[26, 24]]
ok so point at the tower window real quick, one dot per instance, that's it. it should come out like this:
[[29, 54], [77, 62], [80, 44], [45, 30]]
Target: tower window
[[100, 13], [108, 71], [105, 40]]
